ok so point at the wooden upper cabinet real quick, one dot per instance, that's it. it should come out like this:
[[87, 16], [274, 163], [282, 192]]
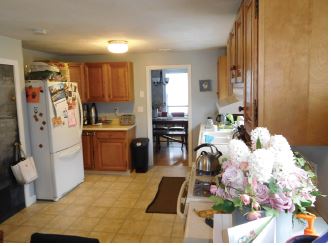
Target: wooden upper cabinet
[[293, 70], [109, 82], [232, 55], [223, 84], [96, 76], [250, 64], [76, 71], [239, 38], [120, 81]]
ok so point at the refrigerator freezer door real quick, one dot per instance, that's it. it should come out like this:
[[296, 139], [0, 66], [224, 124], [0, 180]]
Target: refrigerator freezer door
[[40, 144], [66, 132], [68, 170]]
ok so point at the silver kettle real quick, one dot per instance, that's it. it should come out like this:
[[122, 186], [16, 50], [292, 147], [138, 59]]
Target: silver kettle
[[207, 163]]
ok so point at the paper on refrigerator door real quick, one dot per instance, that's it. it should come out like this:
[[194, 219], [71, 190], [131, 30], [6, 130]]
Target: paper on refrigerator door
[[61, 108], [71, 94], [57, 93], [71, 118]]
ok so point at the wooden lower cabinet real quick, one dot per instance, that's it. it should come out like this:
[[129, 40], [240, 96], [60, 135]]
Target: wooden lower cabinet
[[87, 141], [111, 151], [107, 150]]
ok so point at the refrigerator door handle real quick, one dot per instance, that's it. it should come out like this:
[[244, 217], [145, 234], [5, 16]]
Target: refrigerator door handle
[[80, 113], [67, 153]]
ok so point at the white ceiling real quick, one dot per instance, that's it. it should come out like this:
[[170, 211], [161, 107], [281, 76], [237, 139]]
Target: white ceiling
[[85, 26]]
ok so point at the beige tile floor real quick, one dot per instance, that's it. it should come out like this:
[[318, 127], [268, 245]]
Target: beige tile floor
[[108, 207]]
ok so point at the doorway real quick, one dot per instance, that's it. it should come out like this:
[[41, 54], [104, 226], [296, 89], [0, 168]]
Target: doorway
[[169, 114], [11, 193]]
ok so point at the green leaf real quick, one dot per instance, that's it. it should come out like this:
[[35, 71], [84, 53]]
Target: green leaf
[[225, 207], [315, 193], [306, 204], [258, 144], [270, 211], [237, 202], [216, 199], [230, 118], [300, 161], [273, 187]]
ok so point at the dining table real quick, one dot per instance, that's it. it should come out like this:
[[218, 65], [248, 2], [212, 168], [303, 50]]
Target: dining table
[[173, 121]]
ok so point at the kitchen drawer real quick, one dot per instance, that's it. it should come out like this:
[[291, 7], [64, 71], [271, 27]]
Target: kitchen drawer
[[111, 134]]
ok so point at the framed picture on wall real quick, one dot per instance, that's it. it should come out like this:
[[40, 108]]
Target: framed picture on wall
[[205, 85]]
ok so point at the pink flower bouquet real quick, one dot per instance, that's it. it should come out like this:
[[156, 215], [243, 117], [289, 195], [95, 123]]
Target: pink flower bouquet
[[267, 177]]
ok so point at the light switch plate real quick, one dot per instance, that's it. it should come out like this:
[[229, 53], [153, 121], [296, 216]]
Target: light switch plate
[[140, 109], [142, 94]]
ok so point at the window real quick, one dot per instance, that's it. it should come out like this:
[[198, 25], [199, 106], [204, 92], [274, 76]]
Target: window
[[177, 92]]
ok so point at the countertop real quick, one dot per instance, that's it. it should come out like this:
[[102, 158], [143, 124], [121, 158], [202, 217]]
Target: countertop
[[107, 127], [196, 230]]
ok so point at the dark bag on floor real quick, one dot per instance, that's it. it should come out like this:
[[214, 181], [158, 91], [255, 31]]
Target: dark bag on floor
[[55, 238]]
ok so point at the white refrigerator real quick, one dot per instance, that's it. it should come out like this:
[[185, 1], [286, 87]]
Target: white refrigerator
[[56, 124]]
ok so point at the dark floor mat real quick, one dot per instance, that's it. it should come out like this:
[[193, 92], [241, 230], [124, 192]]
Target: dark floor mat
[[165, 200]]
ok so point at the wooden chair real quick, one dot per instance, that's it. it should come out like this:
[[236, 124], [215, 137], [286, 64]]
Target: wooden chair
[[159, 132], [178, 129], [164, 114]]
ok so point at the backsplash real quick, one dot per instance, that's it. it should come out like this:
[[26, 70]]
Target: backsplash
[[106, 111]]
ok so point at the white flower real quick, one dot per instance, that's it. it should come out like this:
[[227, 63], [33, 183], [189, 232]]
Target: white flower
[[261, 162], [279, 143], [284, 162], [261, 133], [238, 151]]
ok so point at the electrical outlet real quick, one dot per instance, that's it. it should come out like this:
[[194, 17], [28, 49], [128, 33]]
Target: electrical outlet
[[140, 109]]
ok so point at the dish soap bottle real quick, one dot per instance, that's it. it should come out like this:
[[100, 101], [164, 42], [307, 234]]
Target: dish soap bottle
[[209, 123]]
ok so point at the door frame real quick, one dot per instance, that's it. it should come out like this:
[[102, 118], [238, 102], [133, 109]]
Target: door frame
[[19, 104], [29, 191], [149, 107]]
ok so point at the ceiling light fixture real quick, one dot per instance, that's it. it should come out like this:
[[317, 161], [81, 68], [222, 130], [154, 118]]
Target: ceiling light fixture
[[39, 31], [117, 46]]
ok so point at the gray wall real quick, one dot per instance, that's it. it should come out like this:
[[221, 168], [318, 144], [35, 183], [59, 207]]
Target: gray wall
[[204, 66]]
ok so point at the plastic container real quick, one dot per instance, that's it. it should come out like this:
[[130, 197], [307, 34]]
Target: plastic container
[[139, 152], [209, 123]]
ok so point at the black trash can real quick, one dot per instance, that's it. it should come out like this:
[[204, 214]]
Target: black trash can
[[139, 152]]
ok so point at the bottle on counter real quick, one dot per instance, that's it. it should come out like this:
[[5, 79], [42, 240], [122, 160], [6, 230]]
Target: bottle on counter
[[209, 123], [93, 114]]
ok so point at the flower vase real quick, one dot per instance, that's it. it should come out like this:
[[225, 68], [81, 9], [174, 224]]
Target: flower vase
[[239, 217], [284, 227]]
